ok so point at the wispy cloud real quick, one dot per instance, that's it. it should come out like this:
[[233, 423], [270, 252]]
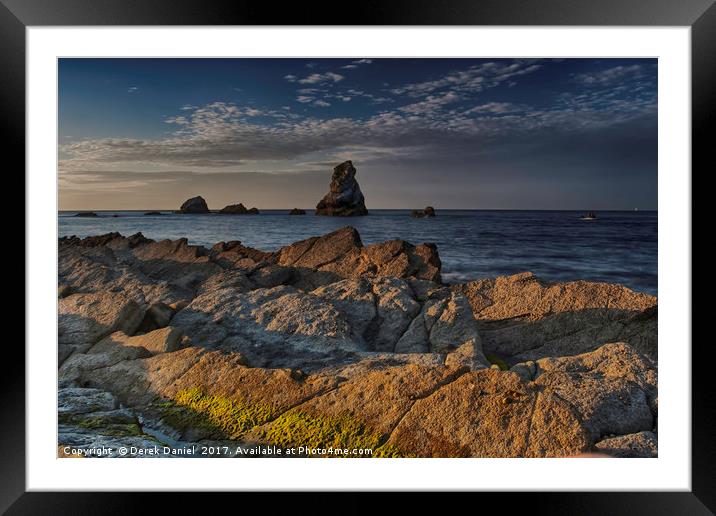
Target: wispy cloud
[[474, 79], [443, 113], [132, 89], [355, 64], [610, 75], [318, 78]]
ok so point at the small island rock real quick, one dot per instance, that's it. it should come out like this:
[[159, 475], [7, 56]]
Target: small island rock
[[429, 211], [238, 209], [194, 205], [297, 211], [86, 214], [345, 198]]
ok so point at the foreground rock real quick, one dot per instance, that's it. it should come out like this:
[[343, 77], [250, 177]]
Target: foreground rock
[[83, 319], [345, 198], [639, 445], [341, 254], [238, 209], [525, 318], [194, 205], [329, 342]]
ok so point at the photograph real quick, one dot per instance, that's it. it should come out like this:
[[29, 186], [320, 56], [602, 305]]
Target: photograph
[[357, 257]]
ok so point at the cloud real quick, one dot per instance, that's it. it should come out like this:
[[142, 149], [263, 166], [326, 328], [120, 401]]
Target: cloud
[[318, 78], [132, 89], [435, 117], [474, 79], [431, 103], [610, 75], [354, 64], [178, 120], [493, 108], [225, 135], [447, 129]]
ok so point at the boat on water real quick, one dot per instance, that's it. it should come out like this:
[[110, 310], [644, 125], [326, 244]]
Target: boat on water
[[589, 216]]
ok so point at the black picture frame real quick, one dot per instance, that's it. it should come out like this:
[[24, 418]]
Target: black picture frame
[[700, 15]]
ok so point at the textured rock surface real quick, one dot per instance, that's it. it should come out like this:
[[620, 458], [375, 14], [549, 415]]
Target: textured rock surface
[[523, 317], [83, 319], [341, 254], [490, 414], [194, 205], [344, 198], [361, 344], [639, 445]]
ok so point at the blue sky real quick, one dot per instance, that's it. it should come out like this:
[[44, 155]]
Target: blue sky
[[455, 133]]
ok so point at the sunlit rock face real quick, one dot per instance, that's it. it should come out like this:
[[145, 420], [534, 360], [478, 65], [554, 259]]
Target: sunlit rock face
[[344, 198]]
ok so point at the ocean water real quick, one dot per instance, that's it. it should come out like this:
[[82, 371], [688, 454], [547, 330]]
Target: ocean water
[[618, 247]]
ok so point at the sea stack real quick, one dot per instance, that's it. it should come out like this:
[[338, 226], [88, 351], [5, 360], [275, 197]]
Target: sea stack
[[344, 198], [429, 211], [194, 205], [238, 209]]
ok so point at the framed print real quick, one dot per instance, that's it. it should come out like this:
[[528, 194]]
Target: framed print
[[421, 252]]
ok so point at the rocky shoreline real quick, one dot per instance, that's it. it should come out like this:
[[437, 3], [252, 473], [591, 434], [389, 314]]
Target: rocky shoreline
[[331, 343]]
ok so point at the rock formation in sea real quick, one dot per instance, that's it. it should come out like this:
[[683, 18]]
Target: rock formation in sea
[[194, 205], [297, 211], [344, 198], [335, 343], [238, 209], [86, 214], [153, 213], [429, 211]]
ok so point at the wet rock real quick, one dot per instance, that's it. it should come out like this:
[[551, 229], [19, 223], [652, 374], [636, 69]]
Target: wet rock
[[80, 401]]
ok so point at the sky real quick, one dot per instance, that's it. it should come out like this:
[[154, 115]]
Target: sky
[[452, 133]]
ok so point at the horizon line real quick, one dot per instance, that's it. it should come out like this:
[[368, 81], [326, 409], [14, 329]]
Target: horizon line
[[373, 209]]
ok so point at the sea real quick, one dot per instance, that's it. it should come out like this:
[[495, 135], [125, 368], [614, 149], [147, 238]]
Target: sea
[[616, 247]]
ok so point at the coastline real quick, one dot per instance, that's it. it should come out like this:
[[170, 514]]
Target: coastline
[[234, 343]]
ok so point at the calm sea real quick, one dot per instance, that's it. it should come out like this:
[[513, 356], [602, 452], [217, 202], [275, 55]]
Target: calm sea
[[618, 247]]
